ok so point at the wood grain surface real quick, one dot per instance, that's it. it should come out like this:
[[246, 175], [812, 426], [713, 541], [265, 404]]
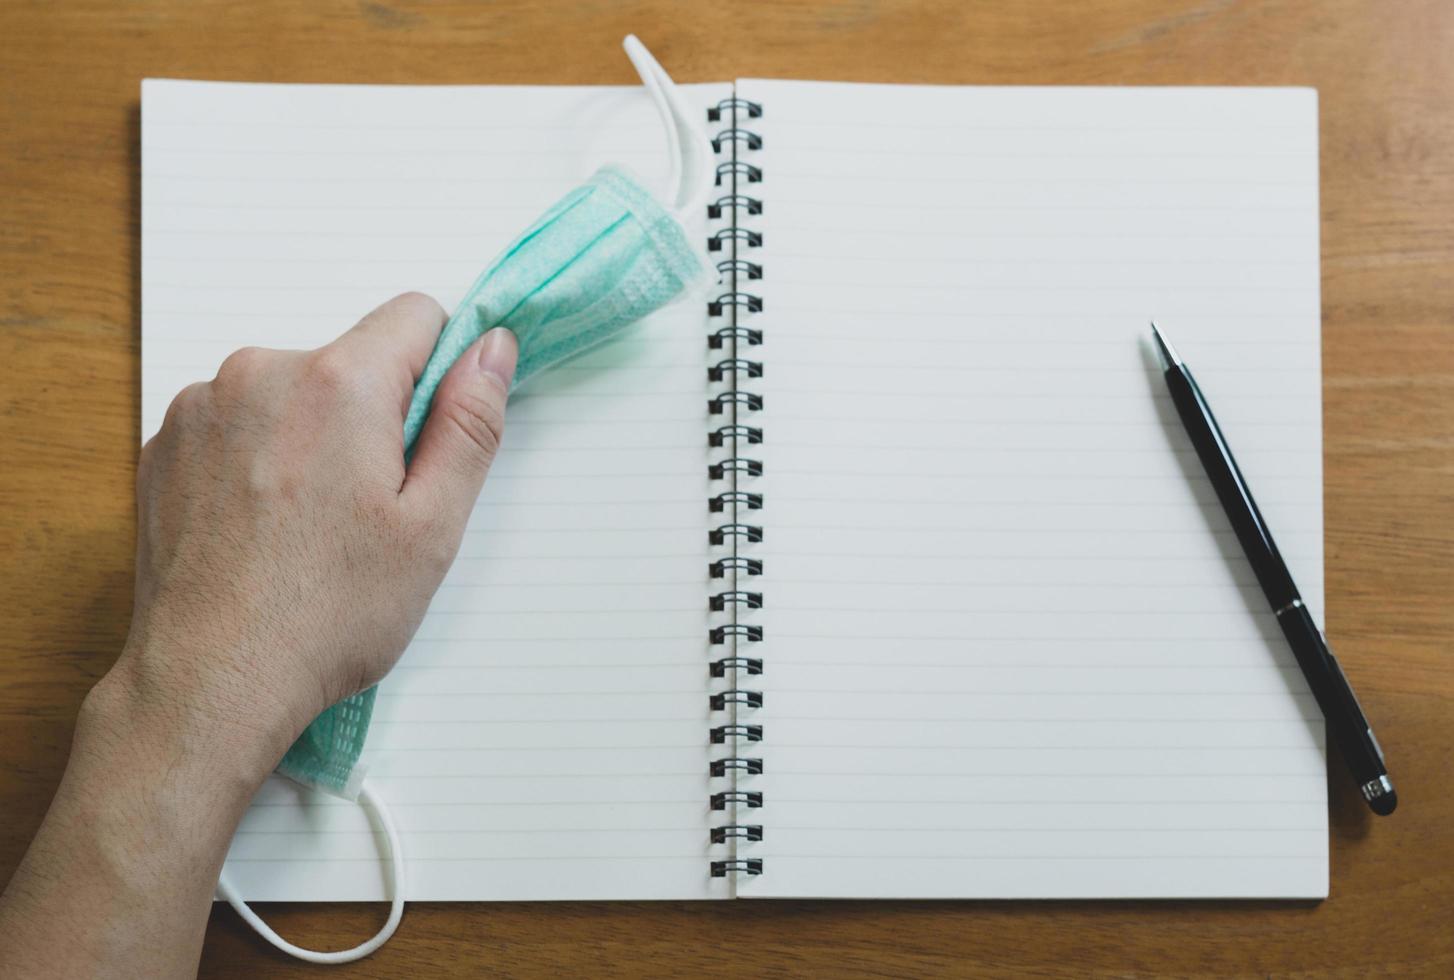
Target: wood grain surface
[[69, 74]]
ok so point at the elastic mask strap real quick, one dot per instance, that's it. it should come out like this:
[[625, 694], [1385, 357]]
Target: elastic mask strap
[[369, 799], [691, 172]]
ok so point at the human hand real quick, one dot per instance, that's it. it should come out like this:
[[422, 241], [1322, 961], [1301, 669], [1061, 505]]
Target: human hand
[[285, 555]]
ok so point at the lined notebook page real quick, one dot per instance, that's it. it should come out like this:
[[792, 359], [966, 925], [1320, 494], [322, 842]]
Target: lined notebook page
[[1012, 646], [543, 736]]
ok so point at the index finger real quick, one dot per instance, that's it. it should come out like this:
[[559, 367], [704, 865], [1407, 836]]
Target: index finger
[[398, 337]]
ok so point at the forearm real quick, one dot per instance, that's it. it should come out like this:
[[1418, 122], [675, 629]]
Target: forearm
[[119, 879]]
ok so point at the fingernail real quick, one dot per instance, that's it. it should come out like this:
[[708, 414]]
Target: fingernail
[[498, 352]]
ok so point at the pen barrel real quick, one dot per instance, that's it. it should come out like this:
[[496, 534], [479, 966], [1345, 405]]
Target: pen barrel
[[1347, 725], [1231, 489]]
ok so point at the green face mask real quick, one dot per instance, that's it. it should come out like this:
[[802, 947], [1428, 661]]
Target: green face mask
[[326, 755], [600, 259], [603, 257]]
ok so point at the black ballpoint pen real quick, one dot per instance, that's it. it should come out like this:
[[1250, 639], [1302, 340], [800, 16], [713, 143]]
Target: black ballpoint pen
[[1349, 728]]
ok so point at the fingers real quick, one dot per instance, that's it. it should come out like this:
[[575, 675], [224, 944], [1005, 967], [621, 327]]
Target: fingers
[[463, 431], [397, 338]]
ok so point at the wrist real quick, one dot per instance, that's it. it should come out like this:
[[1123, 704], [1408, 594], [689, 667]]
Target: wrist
[[141, 823], [217, 729]]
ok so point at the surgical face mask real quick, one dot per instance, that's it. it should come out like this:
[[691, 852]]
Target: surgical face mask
[[603, 257], [599, 260]]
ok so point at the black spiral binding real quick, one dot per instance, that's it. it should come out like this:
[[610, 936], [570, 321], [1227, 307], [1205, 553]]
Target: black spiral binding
[[732, 474]]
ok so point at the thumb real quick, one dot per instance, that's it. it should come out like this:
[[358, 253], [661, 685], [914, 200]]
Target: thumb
[[465, 424]]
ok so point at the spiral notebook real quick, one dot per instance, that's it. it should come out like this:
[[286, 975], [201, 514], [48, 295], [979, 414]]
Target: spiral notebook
[[887, 571]]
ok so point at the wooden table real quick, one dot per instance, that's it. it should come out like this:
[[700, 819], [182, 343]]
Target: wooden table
[[69, 328]]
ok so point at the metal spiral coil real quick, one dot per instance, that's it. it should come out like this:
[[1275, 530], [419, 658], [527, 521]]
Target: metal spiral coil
[[751, 733], [736, 464], [720, 767], [748, 532], [752, 109], [750, 799], [746, 831], [734, 305], [745, 631], [749, 204], [750, 699], [720, 370], [720, 601], [752, 238], [751, 270], [746, 137], [751, 402], [748, 665], [748, 566], [719, 436], [738, 498], [749, 173], [717, 339], [753, 304]]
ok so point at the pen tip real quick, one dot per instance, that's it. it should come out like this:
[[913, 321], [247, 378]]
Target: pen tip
[[1163, 348], [1385, 804]]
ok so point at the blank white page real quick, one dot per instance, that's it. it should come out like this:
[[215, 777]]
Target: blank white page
[[544, 735], [1012, 648]]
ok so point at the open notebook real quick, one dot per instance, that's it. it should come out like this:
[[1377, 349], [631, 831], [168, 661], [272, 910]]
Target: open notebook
[[889, 574]]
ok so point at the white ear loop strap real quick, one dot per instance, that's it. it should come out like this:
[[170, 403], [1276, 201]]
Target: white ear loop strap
[[369, 799], [691, 171], [645, 66]]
